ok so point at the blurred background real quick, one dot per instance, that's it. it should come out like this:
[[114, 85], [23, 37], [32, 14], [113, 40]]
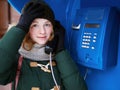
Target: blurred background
[[8, 17]]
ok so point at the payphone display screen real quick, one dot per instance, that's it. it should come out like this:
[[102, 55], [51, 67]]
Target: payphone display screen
[[92, 25]]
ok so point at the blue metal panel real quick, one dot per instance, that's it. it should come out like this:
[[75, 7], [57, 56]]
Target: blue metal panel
[[99, 3], [17, 4]]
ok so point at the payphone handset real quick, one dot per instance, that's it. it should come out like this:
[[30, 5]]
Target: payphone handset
[[94, 37]]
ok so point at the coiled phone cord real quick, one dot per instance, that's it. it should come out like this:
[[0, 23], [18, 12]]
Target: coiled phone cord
[[52, 71]]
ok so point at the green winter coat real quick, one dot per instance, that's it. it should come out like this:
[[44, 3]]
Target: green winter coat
[[66, 72]]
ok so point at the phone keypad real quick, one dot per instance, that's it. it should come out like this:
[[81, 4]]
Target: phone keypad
[[89, 40]]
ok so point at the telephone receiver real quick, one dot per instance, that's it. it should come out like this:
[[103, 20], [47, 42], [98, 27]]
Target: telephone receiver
[[51, 46], [48, 49]]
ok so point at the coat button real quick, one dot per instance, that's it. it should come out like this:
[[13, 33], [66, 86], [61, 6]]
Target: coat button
[[35, 88]]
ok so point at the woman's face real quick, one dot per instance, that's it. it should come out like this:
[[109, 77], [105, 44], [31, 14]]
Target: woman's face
[[41, 30]]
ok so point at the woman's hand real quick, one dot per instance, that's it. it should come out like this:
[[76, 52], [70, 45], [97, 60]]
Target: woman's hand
[[31, 11]]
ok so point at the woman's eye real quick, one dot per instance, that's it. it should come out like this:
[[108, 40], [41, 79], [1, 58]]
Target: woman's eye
[[48, 25], [34, 25]]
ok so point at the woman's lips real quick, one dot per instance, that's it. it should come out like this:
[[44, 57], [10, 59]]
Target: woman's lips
[[42, 37]]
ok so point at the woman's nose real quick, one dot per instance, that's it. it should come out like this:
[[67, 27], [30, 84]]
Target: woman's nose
[[42, 30]]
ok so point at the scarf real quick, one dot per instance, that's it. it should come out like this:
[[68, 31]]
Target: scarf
[[37, 53]]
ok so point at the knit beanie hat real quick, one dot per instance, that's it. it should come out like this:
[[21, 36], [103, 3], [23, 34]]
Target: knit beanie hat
[[45, 11]]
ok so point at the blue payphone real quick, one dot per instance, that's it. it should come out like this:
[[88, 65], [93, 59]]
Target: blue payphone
[[94, 37]]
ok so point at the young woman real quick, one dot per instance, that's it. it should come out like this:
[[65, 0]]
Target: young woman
[[38, 40]]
